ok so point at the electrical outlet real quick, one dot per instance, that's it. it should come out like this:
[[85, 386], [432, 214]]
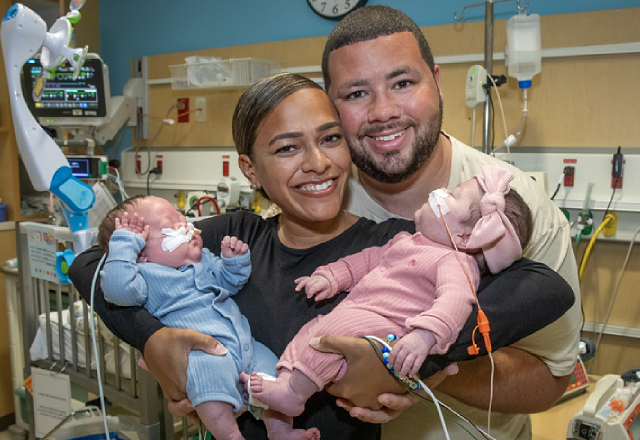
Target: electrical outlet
[[159, 163], [616, 182], [183, 109], [569, 174]]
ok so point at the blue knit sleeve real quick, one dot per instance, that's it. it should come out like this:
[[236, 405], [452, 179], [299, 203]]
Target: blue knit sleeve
[[121, 281], [229, 273]]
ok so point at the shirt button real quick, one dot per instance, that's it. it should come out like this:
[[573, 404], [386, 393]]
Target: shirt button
[[246, 347]]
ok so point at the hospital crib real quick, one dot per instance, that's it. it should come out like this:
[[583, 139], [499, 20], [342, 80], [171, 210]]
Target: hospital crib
[[64, 336]]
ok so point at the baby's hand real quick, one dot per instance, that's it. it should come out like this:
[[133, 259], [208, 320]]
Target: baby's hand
[[315, 285], [232, 247], [410, 351], [135, 225]]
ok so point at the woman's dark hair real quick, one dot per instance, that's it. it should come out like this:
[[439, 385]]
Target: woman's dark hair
[[108, 225], [369, 23], [258, 101]]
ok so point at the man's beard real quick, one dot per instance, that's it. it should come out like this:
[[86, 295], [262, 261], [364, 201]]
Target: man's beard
[[393, 168]]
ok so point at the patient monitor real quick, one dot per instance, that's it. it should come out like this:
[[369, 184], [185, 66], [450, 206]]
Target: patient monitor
[[82, 105], [612, 412]]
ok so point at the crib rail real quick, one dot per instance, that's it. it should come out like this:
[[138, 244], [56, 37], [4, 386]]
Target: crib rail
[[139, 393]]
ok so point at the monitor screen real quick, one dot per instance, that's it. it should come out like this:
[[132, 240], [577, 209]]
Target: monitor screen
[[63, 96], [79, 167]]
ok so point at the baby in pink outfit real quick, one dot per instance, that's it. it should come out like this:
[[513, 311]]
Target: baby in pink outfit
[[414, 287]]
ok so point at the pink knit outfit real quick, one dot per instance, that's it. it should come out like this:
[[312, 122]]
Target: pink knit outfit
[[411, 282]]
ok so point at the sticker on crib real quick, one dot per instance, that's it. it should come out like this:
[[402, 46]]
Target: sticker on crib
[[51, 399], [42, 248]]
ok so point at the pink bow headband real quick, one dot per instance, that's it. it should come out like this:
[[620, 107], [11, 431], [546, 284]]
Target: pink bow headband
[[494, 233]]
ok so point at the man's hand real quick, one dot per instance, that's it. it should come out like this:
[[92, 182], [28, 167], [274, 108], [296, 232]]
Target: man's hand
[[367, 390], [166, 353]]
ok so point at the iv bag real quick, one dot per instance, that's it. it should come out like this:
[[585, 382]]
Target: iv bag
[[523, 56]]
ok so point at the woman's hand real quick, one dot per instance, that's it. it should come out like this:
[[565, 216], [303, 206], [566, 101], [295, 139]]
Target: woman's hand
[[166, 354]]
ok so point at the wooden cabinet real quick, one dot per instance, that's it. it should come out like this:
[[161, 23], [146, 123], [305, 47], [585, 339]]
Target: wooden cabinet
[[9, 184], [7, 251]]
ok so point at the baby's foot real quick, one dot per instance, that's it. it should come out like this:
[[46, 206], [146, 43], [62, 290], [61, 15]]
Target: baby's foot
[[278, 394], [295, 434]]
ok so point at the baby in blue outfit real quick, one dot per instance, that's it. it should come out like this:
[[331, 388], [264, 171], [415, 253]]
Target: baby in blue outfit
[[156, 260]]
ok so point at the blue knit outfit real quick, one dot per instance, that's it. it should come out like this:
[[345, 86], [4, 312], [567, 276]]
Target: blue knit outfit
[[196, 296]]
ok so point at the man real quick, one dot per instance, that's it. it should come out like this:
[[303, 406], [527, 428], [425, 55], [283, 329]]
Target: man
[[379, 72]]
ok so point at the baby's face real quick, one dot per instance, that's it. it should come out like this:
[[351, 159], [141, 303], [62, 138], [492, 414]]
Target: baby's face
[[459, 203], [159, 214]]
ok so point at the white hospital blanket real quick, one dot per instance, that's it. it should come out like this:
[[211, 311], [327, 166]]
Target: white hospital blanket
[[39, 349]]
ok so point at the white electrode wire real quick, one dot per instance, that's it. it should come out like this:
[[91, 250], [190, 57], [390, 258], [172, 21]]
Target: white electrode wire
[[504, 121], [493, 368], [439, 404], [424, 387], [95, 346], [473, 126], [615, 290]]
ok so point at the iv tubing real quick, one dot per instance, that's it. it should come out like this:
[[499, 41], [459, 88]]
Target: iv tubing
[[483, 322], [473, 126], [525, 111]]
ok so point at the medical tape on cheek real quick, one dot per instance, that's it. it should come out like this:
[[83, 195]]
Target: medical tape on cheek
[[175, 238], [437, 198]]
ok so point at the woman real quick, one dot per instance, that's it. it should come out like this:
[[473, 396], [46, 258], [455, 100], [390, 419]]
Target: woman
[[291, 148]]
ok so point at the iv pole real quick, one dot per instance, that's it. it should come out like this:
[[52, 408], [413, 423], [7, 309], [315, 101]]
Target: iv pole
[[488, 57]]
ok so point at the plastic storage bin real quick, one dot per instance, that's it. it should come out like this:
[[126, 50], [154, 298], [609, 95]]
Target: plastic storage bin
[[200, 72]]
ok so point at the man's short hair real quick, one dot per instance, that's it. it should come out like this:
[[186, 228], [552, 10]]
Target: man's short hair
[[369, 23]]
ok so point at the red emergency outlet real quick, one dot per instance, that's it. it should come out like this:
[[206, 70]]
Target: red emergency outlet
[[225, 165], [183, 109]]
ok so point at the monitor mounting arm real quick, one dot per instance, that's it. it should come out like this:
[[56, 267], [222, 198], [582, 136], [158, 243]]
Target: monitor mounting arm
[[23, 34]]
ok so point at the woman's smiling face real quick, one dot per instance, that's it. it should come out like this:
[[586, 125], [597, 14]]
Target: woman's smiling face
[[300, 157]]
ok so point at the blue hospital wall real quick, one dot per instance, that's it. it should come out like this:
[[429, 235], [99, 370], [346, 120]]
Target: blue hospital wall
[[145, 27]]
